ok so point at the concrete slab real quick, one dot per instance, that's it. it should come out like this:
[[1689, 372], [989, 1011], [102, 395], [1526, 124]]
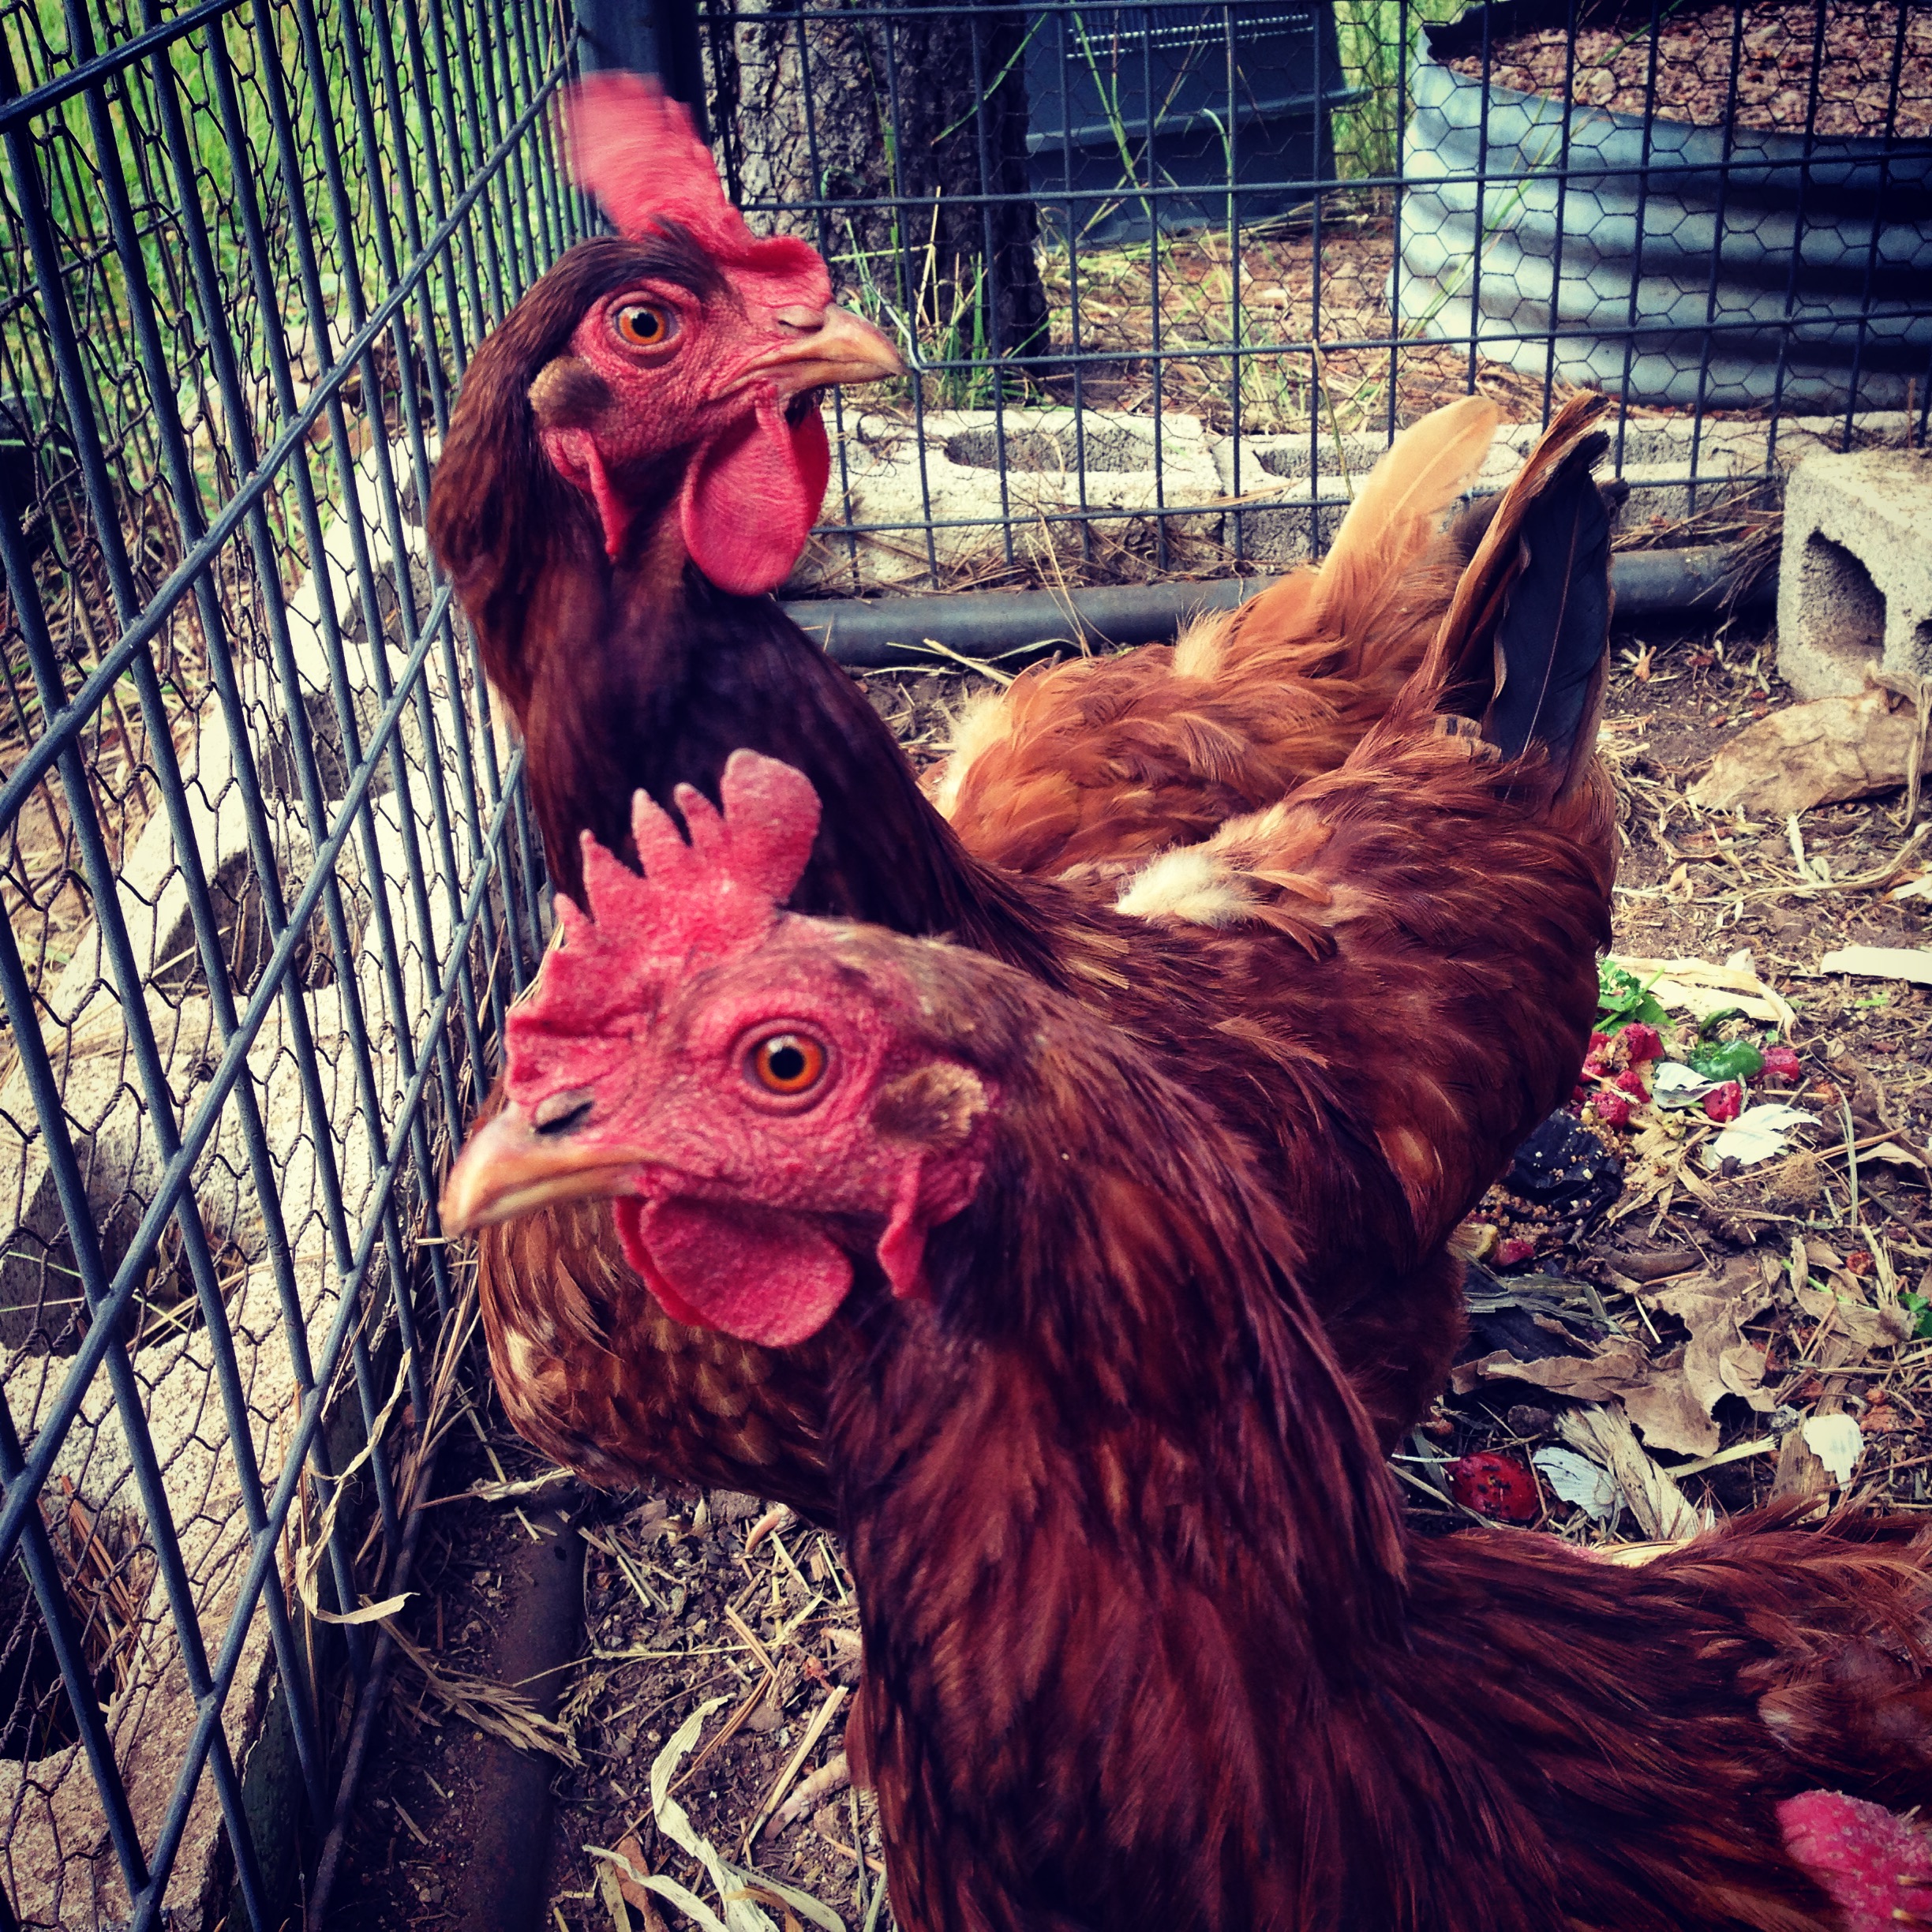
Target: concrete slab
[[978, 476], [1855, 585]]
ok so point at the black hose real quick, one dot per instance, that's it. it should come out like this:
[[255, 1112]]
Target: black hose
[[1001, 626]]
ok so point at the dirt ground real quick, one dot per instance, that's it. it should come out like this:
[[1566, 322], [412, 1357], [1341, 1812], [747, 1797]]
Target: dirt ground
[[1861, 69], [1799, 1266]]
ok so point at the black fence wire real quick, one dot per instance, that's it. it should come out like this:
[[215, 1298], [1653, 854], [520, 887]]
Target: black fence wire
[[1168, 277], [1172, 274], [269, 885]]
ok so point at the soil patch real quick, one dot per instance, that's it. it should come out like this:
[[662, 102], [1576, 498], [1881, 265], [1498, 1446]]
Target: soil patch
[[1775, 47]]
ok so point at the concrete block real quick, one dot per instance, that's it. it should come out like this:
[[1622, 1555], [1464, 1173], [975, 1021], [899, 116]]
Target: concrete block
[[974, 473], [1280, 511], [1854, 587]]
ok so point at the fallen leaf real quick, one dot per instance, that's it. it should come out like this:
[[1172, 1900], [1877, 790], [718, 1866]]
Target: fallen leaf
[[1866, 962], [1864, 1326], [1919, 887], [1894, 1155], [1757, 1134], [1660, 1508], [623, 1876], [1817, 754], [1718, 1360], [1654, 1393], [1697, 987], [1657, 1166], [1575, 1479], [1837, 1442]]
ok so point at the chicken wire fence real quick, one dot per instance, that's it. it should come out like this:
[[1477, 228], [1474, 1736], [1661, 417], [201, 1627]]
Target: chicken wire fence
[[1171, 274], [269, 886], [1167, 276]]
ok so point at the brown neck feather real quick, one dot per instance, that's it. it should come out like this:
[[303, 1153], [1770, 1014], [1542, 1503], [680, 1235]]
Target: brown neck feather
[[1119, 1528], [1146, 1645]]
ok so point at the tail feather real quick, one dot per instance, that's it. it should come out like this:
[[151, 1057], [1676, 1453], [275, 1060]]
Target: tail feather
[[1394, 517], [1522, 646], [1427, 467]]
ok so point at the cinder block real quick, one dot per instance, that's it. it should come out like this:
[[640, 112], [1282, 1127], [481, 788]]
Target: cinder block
[[1855, 590]]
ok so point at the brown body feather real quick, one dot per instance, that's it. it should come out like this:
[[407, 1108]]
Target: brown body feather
[[1147, 1649], [1339, 1017]]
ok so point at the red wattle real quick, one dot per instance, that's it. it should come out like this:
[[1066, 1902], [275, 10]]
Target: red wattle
[[750, 499], [763, 1275]]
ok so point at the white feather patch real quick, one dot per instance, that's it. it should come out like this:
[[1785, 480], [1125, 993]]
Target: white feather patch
[[1190, 883], [1198, 650]]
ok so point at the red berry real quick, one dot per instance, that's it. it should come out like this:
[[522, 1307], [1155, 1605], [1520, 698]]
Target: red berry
[[1725, 1103], [1611, 1109], [1782, 1063], [1494, 1485], [1509, 1253], [1597, 1043], [1641, 1043], [1632, 1083]]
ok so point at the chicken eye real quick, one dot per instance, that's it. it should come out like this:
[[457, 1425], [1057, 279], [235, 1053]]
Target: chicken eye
[[644, 325], [786, 1064]]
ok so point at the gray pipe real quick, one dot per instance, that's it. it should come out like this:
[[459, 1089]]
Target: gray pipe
[[1001, 626]]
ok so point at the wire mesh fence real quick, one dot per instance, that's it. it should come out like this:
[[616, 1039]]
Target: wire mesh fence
[[268, 887], [1172, 274], [1169, 277]]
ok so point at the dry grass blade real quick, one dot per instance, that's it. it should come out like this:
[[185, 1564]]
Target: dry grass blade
[[807, 1744], [504, 1492], [736, 1888], [494, 1709], [309, 1558]]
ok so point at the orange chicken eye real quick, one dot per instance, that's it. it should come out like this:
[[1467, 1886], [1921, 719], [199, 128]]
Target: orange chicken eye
[[786, 1064], [644, 325]]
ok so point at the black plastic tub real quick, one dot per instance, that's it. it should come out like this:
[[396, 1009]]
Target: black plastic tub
[[1702, 270], [1121, 97]]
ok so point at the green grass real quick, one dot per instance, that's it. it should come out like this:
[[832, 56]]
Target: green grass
[[297, 57], [1369, 33]]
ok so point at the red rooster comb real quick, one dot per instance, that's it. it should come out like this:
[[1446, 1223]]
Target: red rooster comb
[[637, 151], [697, 904]]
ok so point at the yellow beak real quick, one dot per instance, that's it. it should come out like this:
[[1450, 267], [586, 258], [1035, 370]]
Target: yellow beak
[[506, 1169], [826, 346]]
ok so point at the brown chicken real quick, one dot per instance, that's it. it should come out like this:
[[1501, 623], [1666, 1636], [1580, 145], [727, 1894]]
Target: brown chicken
[[577, 540], [1146, 1645]]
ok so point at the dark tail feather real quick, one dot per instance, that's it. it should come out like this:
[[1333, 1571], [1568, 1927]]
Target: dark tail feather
[[1523, 647]]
